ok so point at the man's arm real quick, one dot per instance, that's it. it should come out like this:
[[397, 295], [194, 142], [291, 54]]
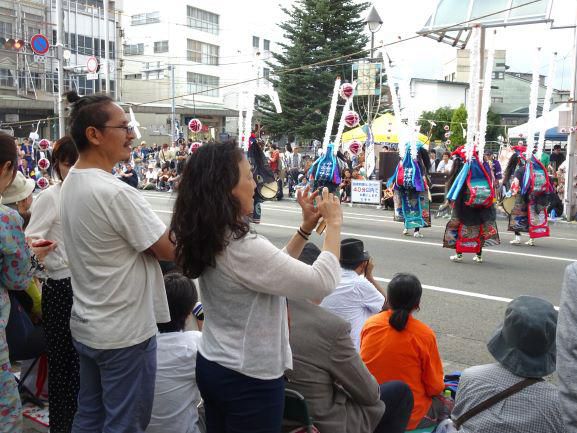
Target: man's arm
[[369, 276], [163, 248]]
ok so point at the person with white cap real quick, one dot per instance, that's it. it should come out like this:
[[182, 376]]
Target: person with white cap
[[511, 396], [18, 196]]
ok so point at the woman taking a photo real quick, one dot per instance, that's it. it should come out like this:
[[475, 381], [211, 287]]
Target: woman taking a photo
[[244, 283]]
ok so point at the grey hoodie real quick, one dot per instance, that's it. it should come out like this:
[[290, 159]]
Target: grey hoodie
[[567, 348]]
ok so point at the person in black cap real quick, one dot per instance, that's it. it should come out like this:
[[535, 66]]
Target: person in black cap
[[524, 347], [342, 395], [358, 295]]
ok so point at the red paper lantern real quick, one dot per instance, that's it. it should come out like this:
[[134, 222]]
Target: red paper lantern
[[195, 125], [194, 146], [352, 119], [446, 127], [43, 164], [447, 134], [44, 144], [42, 183], [355, 147], [346, 90], [448, 142]]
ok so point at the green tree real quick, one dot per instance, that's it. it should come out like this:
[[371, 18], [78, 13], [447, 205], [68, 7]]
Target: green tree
[[458, 122], [494, 128], [315, 31], [441, 117]]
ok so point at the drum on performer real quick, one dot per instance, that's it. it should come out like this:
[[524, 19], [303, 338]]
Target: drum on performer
[[508, 203], [267, 190]]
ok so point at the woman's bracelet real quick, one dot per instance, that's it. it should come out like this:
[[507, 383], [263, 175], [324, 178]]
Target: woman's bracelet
[[302, 234]]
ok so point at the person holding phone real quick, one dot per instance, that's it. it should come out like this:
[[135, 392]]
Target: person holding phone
[[244, 283], [63, 371]]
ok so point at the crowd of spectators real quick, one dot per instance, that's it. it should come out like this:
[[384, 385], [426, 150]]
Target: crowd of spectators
[[130, 348]]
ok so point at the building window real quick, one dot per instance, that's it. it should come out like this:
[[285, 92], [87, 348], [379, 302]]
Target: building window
[[6, 78], [161, 47], [85, 87], [85, 45], [154, 75], [498, 75], [134, 50], [496, 100], [266, 44], [205, 84], [146, 18], [266, 73], [201, 52], [255, 42], [133, 77], [6, 29], [202, 20], [33, 31]]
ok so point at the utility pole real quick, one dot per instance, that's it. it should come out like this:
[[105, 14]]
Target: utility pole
[[482, 77], [173, 107], [570, 172], [106, 48], [60, 58]]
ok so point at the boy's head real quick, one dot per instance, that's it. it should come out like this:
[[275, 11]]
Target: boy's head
[[182, 297]]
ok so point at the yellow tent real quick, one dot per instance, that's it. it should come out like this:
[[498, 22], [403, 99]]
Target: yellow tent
[[384, 131]]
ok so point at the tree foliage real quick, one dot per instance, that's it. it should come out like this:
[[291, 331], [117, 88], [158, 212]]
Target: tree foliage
[[441, 117], [458, 122], [315, 31]]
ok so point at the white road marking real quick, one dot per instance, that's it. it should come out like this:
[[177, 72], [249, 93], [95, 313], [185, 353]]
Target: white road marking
[[425, 286]]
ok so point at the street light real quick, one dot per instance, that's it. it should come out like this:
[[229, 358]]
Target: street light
[[374, 23]]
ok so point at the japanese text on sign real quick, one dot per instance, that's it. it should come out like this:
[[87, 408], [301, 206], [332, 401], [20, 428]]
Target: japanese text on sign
[[366, 191]]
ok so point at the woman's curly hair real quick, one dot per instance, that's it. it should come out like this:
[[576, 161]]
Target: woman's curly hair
[[206, 213]]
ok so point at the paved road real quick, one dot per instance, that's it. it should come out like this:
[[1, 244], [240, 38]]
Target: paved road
[[464, 302]]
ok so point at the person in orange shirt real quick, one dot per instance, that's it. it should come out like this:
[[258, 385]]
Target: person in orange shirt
[[396, 346]]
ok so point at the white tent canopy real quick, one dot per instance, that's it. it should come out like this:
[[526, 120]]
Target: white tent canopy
[[556, 118]]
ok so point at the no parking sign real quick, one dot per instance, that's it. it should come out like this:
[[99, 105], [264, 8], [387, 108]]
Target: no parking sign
[[39, 44]]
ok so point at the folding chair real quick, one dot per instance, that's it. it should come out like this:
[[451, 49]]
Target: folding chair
[[296, 409]]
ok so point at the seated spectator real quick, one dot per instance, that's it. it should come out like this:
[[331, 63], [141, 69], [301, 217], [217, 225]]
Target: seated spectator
[[358, 296], [357, 175], [396, 346], [162, 179], [346, 186], [150, 177], [129, 176], [524, 347], [173, 180], [176, 395], [446, 164], [567, 348], [341, 394]]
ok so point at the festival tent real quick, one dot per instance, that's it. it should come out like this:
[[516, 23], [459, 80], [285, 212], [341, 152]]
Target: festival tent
[[555, 120], [384, 131]]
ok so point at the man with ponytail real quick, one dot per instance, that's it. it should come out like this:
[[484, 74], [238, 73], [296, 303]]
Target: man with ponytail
[[396, 346]]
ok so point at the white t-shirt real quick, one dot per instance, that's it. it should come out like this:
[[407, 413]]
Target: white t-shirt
[[355, 299], [176, 394], [45, 223], [118, 288], [445, 167]]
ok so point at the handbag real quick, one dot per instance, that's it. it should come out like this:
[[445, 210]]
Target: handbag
[[451, 426]]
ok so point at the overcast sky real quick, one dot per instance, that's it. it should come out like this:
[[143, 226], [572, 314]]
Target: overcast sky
[[424, 57]]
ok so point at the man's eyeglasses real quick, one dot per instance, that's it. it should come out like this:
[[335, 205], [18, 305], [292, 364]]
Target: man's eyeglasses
[[129, 128]]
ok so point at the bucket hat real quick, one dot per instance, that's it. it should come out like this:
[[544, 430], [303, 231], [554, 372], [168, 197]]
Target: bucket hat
[[18, 190], [353, 251], [525, 343]]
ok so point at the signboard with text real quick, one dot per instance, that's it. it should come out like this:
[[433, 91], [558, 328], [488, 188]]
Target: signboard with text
[[366, 191]]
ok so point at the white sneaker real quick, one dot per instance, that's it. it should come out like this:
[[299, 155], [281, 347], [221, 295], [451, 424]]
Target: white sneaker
[[478, 259], [530, 242], [417, 235], [456, 258], [405, 232], [515, 242]]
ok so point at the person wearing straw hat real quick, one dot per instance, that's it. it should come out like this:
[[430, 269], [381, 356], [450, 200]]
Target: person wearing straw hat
[[525, 350]]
